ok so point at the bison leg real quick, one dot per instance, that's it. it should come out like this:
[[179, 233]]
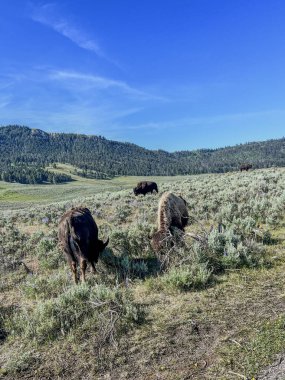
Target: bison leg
[[74, 271], [184, 221], [93, 267], [83, 266]]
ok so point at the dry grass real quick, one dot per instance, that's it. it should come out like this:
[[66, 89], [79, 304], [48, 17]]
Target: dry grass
[[205, 335]]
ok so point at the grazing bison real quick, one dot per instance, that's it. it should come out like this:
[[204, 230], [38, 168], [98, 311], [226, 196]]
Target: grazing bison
[[78, 238], [245, 167], [172, 212], [145, 187]]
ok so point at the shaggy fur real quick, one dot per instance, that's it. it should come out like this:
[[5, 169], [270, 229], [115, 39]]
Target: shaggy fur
[[172, 212], [78, 239]]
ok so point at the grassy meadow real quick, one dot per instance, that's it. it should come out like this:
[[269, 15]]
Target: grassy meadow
[[209, 307], [16, 196]]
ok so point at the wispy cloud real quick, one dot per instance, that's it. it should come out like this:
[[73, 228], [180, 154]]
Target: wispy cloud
[[102, 83], [47, 99], [4, 101], [47, 15], [203, 121], [79, 117]]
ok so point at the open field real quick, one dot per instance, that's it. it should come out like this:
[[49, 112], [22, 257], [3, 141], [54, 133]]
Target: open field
[[215, 312], [17, 196]]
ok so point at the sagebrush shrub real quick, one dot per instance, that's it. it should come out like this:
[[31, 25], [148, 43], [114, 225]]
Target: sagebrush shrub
[[52, 318], [49, 254]]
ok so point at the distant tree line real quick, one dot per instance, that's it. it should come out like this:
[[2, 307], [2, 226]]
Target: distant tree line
[[24, 150], [31, 174], [89, 173]]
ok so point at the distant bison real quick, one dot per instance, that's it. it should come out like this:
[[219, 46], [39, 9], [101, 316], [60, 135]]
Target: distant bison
[[145, 187], [172, 212], [78, 239], [245, 167]]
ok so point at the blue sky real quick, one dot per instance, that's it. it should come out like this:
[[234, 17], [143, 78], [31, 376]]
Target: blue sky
[[164, 74]]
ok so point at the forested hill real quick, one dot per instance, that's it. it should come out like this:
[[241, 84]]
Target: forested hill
[[22, 148]]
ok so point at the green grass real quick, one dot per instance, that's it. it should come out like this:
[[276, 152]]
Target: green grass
[[9, 195], [18, 196]]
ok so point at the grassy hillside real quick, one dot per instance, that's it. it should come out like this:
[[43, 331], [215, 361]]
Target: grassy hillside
[[24, 152], [216, 310]]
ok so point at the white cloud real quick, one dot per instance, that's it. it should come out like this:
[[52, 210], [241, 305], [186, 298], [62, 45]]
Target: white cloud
[[4, 104], [47, 15], [5, 101], [102, 83]]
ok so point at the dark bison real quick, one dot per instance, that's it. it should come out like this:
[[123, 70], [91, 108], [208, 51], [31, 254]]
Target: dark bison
[[245, 167], [172, 212], [145, 187], [78, 238]]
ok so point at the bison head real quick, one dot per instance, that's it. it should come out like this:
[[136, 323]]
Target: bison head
[[161, 240], [136, 191], [102, 245]]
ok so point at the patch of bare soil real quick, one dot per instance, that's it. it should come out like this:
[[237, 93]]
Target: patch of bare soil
[[276, 371]]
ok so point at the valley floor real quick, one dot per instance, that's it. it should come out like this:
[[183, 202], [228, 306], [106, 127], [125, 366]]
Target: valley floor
[[232, 328]]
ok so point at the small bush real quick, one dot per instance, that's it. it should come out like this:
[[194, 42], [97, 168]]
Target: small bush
[[22, 361], [48, 320], [12, 247], [133, 254], [132, 242], [187, 277], [122, 213], [267, 238], [42, 287], [229, 250], [49, 254]]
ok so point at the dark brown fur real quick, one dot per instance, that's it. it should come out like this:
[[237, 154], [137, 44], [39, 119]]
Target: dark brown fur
[[78, 239], [145, 187], [245, 167], [172, 212]]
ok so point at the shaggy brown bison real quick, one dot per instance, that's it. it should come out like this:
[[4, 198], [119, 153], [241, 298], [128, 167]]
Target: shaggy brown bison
[[145, 187], [245, 167], [78, 238], [172, 212]]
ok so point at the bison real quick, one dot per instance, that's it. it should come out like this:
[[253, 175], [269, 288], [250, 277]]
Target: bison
[[145, 187], [172, 212], [245, 167], [78, 239]]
